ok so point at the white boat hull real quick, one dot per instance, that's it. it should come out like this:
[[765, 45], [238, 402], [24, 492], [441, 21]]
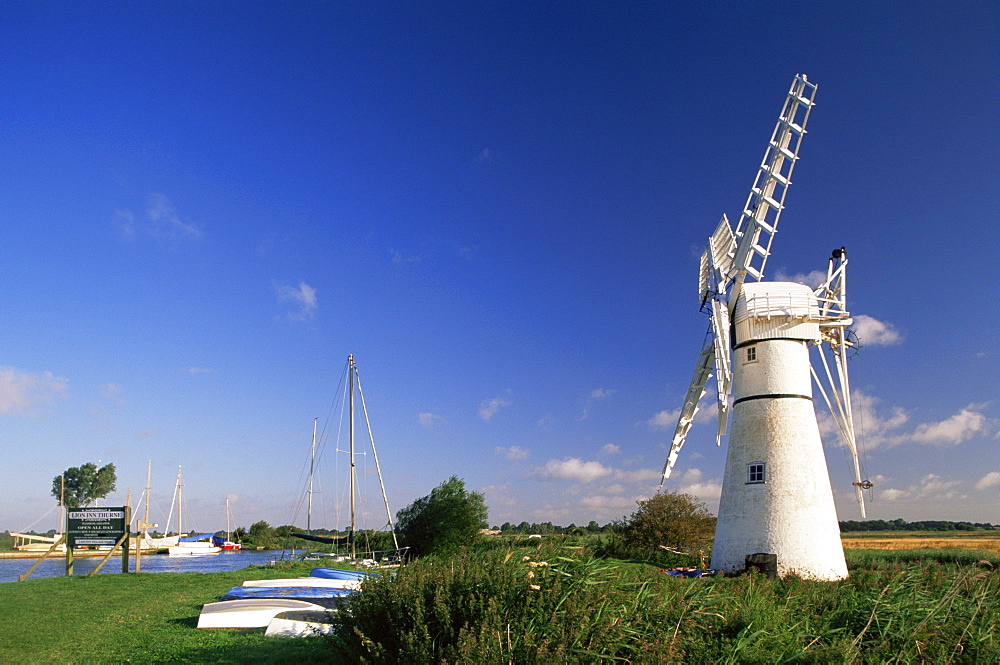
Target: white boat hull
[[300, 623], [249, 613], [185, 550], [305, 582]]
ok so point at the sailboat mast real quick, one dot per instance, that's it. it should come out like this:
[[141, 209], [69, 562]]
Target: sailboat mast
[[145, 517], [179, 486], [312, 465], [350, 376], [378, 469]]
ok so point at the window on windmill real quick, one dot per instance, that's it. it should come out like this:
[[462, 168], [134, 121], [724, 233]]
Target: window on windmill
[[751, 354], [755, 472]]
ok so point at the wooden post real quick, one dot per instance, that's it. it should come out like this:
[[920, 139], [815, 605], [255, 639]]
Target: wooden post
[[52, 549], [123, 542], [128, 529]]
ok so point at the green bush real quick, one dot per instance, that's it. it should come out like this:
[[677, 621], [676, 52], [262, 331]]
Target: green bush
[[499, 607], [540, 606]]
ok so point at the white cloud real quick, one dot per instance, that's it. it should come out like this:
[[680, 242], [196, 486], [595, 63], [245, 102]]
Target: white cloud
[[930, 488], [610, 449], [877, 429], [638, 476], [991, 479], [707, 412], [574, 469], [401, 259], [303, 297], [813, 279], [602, 505], [709, 491], [199, 370], [165, 224], [872, 332], [22, 392], [952, 431], [126, 223], [430, 420], [112, 391], [596, 395], [691, 476], [513, 453], [490, 408], [883, 430], [486, 156], [892, 494], [664, 419], [499, 496], [161, 222]]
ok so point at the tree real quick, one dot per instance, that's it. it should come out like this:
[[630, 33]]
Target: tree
[[84, 484], [670, 519], [446, 519], [262, 535]]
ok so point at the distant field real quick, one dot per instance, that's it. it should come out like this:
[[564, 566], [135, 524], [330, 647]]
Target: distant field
[[987, 541]]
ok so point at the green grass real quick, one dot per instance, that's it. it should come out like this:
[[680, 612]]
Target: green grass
[[497, 608], [504, 605], [143, 618]]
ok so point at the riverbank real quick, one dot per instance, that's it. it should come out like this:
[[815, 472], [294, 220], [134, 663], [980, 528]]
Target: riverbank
[[144, 617], [55, 566]]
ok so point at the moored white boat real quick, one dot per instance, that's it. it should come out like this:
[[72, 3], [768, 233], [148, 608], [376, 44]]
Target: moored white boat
[[198, 548]]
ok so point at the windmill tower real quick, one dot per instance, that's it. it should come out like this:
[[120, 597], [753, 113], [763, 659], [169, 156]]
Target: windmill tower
[[776, 492]]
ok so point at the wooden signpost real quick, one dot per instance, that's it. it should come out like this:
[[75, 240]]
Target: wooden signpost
[[98, 527]]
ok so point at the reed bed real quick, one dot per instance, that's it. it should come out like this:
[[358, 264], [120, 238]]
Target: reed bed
[[540, 606]]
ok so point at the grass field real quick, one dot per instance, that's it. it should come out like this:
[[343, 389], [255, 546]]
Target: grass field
[[988, 541], [541, 604], [138, 618]]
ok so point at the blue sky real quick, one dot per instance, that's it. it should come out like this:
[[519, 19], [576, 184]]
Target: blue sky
[[498, 208]]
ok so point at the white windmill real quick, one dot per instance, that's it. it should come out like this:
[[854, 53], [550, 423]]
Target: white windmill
[[776, 493]]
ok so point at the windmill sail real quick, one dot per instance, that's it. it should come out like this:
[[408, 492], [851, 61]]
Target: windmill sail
[[776, 492]]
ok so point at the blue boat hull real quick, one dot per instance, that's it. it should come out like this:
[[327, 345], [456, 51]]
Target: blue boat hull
[[323, 596], [339, 574]]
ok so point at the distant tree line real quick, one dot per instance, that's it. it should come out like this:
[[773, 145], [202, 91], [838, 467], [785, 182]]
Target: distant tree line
[[548, 528], [902, 525]]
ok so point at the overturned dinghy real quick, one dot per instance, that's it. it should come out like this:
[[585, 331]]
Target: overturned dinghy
[[323, 596], [301, 623], [306, 582], [340, 574], [250, 612]]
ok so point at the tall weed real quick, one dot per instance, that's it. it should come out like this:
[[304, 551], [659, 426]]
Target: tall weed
[[542, 605]]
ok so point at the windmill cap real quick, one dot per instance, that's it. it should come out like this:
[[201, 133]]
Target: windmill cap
[[768, 310]]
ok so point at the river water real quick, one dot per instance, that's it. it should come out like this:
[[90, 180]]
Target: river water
[[151, 563]]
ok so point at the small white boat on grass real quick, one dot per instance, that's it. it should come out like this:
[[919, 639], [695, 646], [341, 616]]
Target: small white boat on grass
[[306, 582], [300, 623], [250, 613], [326, 597]]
